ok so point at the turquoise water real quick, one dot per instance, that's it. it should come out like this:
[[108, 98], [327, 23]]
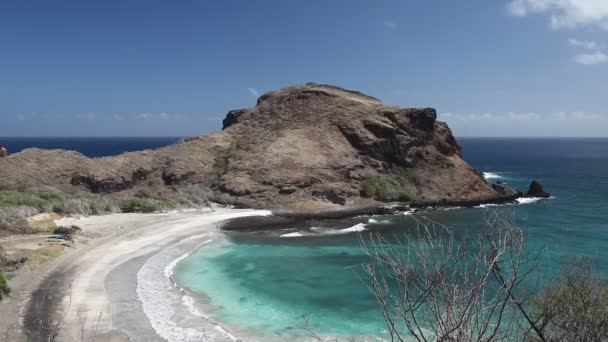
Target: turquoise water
[[265, 283]]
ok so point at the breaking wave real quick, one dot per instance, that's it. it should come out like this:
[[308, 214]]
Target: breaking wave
[[491, 175], [320, 231]]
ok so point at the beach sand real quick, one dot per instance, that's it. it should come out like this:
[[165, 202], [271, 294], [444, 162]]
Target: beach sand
[[95, 291]]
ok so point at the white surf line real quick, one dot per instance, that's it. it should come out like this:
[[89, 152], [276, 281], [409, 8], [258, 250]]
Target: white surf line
[[491, 175], [321, 231], [156, 293]]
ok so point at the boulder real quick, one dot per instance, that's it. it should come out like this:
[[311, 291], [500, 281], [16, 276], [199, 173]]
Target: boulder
[[3, 152], [536, 190]]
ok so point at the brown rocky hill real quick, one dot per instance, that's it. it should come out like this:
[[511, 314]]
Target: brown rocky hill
[[308, 146]]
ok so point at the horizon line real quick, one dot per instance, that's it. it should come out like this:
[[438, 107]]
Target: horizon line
[[193, 135]]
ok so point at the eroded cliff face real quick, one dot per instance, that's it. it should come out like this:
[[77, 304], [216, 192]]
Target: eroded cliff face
[[308, 146]]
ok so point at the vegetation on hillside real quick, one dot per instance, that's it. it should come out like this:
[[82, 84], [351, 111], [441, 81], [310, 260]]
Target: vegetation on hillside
[[387, 187], [15, 205]]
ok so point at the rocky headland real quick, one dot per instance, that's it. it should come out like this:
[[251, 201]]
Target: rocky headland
[[307, 147]]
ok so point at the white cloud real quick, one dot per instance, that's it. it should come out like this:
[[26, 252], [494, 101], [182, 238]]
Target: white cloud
[[564, 13], [591, 58], [20, 117], [390, 24], [144, 116], [253, 92], [162, 116], [117, 117], [587, 44]]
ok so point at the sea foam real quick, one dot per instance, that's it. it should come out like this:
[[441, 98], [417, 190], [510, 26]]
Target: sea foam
[[321, 231], [491, 175], [159, 294], [526, 200], [374, 221]]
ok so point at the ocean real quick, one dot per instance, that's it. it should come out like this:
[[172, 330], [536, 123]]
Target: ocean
[[91, 147], [268, 284]]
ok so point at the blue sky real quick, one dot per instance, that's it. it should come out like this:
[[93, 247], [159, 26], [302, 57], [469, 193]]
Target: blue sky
[[174, 68]]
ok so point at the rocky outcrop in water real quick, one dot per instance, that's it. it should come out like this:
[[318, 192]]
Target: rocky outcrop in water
[[310, 146], [536, 190]]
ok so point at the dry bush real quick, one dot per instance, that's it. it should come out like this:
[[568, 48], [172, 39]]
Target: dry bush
[[431, 286]]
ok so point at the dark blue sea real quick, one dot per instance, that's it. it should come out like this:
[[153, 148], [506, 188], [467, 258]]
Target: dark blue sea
[[264, 283], [91, 147]]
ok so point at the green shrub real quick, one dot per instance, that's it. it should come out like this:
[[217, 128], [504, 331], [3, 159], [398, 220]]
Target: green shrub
[[138, 205], [4, 289], [378, 186], [20, 199], [386, 187], [69, 230]]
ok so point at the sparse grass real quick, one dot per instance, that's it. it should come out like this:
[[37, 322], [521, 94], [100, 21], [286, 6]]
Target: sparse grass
[[50, 252], [409, 176], [15, 205], [16, 199]]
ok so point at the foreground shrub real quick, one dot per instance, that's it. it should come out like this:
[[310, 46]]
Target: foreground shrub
[[574, 307], [432, 286]]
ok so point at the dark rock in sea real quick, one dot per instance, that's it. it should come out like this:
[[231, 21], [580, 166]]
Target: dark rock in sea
[[3, 152], [536, 190]]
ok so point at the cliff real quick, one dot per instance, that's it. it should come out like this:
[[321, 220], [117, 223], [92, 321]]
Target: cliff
[[310, 146]]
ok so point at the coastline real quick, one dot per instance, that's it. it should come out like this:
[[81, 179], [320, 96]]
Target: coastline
[[77, 293], [96, 289]]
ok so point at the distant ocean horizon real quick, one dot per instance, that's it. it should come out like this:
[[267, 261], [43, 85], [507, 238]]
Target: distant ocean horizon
[[89, 146]]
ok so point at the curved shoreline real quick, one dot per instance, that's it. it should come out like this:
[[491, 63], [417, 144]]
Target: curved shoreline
[[75, 294], [89, 285]]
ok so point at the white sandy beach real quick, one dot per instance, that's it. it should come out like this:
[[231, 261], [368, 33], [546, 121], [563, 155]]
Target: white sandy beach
[[94, 305]]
